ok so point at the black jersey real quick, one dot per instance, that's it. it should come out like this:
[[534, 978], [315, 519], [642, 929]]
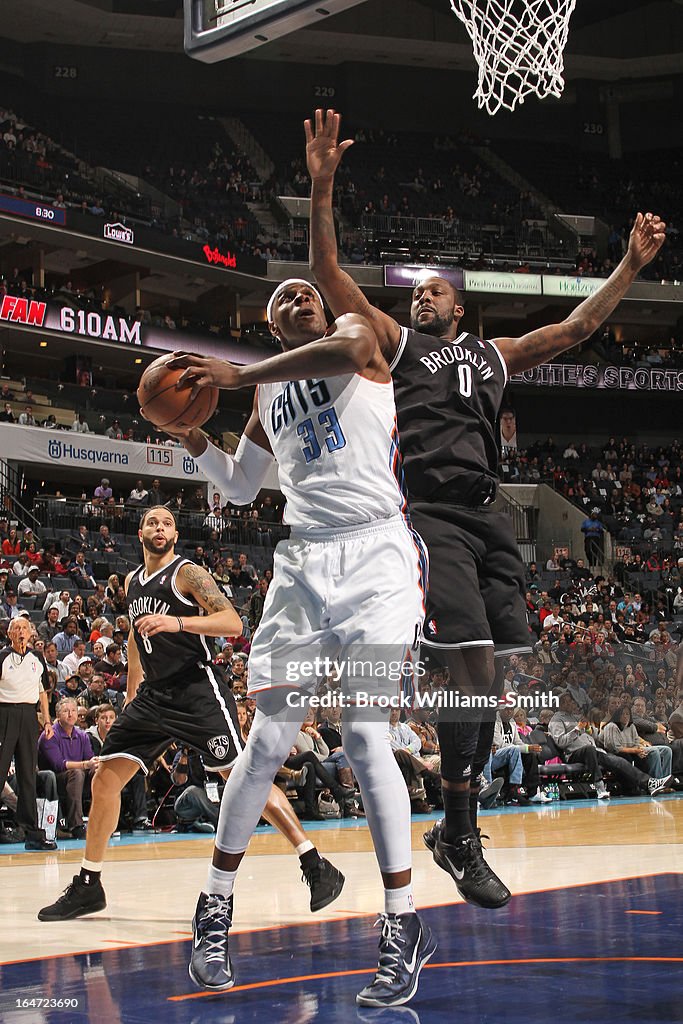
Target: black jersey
[[448, 396], [165, 654]]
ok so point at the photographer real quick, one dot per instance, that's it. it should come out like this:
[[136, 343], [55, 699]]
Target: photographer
[[194, 806]]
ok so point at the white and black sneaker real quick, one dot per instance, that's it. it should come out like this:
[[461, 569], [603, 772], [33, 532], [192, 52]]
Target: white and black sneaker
[[656, 786], [210, 965], [405, 946]]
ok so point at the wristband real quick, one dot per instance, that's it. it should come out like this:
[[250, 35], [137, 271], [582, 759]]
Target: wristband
[[180, 623]]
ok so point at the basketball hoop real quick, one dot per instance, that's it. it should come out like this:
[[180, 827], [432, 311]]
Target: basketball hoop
[[518, 46]]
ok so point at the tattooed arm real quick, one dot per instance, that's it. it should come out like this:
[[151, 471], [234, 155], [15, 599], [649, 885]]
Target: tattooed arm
[[647, 238], [221, 619], [323, 154]]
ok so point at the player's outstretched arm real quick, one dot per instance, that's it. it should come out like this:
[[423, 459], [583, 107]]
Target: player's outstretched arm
[[348, 346], [239, 477], [221, 619], [323, 155], [646, 239]]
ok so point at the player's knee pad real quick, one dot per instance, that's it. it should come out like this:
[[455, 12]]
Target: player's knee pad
[[270, 741], [458, 745]]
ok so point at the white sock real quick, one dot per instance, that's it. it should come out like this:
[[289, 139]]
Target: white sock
[[91, 865], [304, 847], [220, 882], [399, 901]]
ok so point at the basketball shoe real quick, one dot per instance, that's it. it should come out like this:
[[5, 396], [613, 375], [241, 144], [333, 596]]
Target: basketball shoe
[[405, 946], [324, 881], [464, 862], [76, 900], [210, 965]]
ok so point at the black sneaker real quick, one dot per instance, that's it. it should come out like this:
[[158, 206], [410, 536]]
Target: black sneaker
[[210, 965], [325, 883], [76, 900], [429, 838], [474, 879], [405, 946], [78, 832], [40, 844]]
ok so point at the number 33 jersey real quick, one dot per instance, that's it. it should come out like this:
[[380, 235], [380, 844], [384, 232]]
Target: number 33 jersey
[[165, 655], [336, 444]]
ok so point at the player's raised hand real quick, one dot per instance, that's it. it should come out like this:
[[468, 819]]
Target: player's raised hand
[[646, 239], [323, 150]]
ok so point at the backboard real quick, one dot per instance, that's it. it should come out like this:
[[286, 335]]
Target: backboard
[[218, 29]]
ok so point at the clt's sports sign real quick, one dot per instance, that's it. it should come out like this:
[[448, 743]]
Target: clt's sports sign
[[119, 233], [565, 375]]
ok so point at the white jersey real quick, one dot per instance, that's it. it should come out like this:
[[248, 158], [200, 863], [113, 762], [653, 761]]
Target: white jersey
[[336, 444]]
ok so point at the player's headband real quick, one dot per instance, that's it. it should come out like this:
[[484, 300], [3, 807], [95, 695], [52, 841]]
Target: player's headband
[[286, 284]]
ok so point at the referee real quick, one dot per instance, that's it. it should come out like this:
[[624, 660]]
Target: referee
[[23, 683]]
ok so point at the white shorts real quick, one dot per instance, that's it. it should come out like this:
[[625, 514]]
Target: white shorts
[[359, 589]]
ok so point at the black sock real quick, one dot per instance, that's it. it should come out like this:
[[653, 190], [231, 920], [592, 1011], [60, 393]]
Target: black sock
[[474, 804], [456, 805], [89, 877], [309, 859]]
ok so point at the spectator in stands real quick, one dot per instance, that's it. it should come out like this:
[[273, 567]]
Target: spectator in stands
[[79, 541], [10, 607], [97, 692], [620, 737], [26, 418], [73, 657], [3, 582], [7, 416], [11, 546], [156, 495], [31, 586], [73, 686], [53, 663], [79, 425], [6, 393], [70, 756], [65, 640], [81, 573], [105, 541], [570, 732], [256, 603], [111, 667], [22, 565], [195, 811], [103, 491], [134, 794], [406, 745], [62, 601], [246, 566], [139, 495], [512, 752], [48, 629], [50, 422]]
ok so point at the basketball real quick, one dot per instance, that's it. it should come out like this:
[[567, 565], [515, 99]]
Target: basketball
[[168, 408]]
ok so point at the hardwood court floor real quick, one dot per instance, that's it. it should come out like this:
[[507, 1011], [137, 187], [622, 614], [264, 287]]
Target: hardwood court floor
[[152, 884]]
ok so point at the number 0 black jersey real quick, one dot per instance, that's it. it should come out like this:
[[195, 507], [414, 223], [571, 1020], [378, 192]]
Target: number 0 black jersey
[[165, 654], [448, 396]]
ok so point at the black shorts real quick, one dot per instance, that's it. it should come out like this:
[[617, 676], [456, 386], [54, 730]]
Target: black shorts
[[476, 578], [199, 712]]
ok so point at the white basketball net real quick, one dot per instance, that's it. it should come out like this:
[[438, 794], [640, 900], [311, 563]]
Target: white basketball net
[[518, 45]]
